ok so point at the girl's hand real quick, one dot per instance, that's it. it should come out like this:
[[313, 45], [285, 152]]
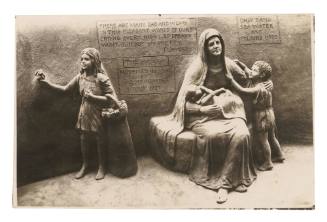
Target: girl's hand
[[88, 94], [210, 110], [40, 75]]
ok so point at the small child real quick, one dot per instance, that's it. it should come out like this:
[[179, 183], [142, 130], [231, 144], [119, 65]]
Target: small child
[[264, 118], [228, 106], [203, 96], [193, 93]]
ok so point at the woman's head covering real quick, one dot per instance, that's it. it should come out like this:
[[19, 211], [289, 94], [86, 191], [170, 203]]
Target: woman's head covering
[[95, 56], [196, 72], [203, 45]]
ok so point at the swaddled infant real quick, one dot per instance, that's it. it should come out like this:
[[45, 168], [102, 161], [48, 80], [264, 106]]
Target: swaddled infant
[[231, 105]]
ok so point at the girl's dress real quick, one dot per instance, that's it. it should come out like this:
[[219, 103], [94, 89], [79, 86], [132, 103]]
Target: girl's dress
[[120, 149], [89, 116]]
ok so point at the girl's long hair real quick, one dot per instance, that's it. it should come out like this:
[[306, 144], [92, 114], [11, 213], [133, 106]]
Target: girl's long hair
[[95, 58]]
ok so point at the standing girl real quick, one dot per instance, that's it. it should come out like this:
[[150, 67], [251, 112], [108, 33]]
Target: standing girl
[[96, 91]]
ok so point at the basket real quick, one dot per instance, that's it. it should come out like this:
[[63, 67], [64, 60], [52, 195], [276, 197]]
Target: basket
[[117, 113]]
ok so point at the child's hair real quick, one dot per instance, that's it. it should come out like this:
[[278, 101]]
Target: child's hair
[[193, 93], [95, 57], [265, 69]]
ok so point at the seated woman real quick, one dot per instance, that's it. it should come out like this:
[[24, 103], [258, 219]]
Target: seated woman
[[222, 159]]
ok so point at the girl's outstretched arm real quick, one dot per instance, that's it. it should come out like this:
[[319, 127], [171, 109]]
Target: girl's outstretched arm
[[41, 77]]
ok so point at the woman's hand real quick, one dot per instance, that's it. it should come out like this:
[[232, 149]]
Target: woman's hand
[[210, 110], [268, 85]]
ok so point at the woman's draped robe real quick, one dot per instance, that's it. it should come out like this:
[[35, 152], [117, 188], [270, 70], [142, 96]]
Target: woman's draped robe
[[223, 157]]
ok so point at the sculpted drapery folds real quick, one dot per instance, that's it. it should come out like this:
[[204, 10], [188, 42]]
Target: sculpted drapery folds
[[222, 159]]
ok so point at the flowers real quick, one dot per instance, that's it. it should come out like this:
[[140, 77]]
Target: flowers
[[115, 114]]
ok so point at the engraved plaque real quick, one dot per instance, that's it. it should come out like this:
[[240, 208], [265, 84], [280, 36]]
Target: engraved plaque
[[153, 37], [258, 29], [146, 80], [146, 61]]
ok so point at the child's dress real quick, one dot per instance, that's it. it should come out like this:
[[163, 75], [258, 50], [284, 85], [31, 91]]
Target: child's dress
[[89, 117], [264, 117]]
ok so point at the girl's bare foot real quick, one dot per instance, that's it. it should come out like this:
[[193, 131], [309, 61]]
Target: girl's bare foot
[[81, 173], [222, 195], [241, 188], [100, 174]]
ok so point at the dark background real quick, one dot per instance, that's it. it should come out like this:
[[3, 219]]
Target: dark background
[[47, 143]]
